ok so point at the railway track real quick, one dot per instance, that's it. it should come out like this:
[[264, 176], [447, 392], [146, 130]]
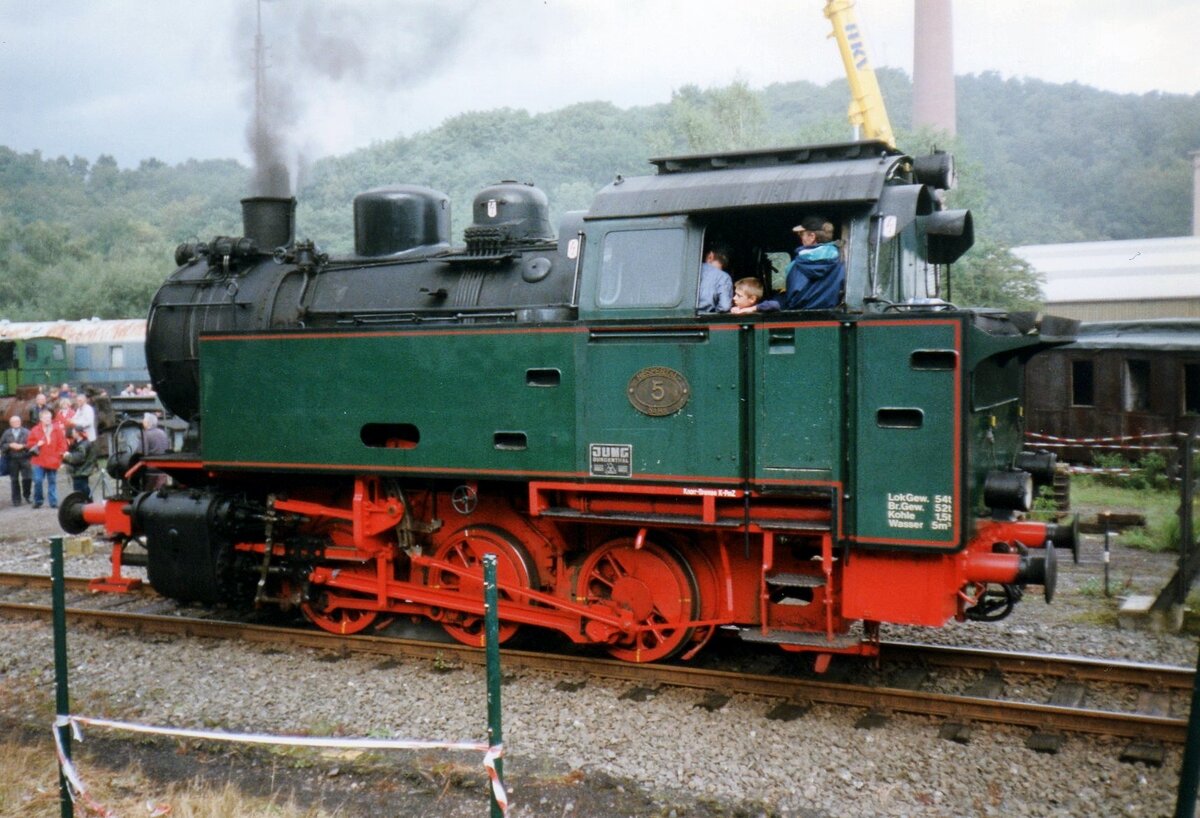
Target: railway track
[[1149, 724]]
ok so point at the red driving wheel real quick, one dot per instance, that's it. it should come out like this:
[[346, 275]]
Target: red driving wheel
[[336, 619], [654, 586], [465, 549]]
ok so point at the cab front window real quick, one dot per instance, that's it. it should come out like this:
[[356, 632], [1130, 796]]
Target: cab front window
[[641, 268]]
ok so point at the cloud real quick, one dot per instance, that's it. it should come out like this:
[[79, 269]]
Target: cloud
[[139, 78]]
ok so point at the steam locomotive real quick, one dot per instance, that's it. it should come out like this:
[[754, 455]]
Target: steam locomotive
[[364, 429]]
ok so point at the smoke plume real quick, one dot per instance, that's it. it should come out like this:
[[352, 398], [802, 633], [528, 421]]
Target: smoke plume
[[371, 44]]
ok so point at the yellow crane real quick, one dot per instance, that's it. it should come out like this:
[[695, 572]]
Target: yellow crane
[[867, 114]]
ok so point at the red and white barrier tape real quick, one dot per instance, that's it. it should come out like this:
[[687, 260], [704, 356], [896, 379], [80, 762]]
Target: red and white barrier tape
[[491, 752], [1081, 441], [1100, 470], [75, 786], [1120, 443], [1120, 447]]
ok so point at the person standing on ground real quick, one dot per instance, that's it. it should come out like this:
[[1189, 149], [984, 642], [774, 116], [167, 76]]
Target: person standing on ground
[[157, 441], [81, 460], [40, 402], [15, 443], [85, 416], [48, 443], [64, 412]]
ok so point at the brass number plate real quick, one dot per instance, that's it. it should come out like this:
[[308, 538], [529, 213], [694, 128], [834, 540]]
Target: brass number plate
[[658, 391]]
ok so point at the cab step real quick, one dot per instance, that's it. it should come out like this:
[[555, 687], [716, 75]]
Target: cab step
[[776, 636], [795, 580]]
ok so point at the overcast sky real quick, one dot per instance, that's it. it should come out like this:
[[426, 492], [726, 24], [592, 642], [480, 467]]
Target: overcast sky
[[172, 79]]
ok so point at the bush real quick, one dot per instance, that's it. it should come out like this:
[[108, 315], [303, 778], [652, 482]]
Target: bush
[[1044, 505], [1165, 536], [1143, 538], [1153, 466], [1114, 461], [1149, 472]]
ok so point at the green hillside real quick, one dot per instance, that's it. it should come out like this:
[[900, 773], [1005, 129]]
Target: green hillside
[[1039, 162]]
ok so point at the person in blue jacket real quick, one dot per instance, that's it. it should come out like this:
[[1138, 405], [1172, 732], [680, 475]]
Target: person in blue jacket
[[814, 278], [816, 275]]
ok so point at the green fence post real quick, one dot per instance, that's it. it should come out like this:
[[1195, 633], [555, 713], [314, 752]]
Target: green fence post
[[1187, 537], [491, 625], [1189, 771], [61, 694]]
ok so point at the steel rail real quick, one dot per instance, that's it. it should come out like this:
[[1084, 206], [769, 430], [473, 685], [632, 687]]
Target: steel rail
[[1080, 668], [9, 579], [1159, 677], [1163, 677], [946, 656], [960, 708]]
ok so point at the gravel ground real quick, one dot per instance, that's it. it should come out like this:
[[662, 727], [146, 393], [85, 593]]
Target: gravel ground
[[588, 752]]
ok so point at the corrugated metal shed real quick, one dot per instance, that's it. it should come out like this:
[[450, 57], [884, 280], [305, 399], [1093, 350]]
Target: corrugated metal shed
[[1135, 270], [88, 331]]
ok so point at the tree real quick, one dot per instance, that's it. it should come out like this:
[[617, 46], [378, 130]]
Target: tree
[[989, 275], [1038, 162], [723, 119]]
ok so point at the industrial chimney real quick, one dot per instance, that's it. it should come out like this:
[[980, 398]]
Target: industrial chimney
[[933, 66], [1196, 193]]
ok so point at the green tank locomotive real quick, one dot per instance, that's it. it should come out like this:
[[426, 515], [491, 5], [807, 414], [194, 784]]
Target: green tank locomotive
[[364, 429]]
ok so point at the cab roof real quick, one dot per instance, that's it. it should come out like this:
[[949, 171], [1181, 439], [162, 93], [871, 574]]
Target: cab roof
[[853, 172]]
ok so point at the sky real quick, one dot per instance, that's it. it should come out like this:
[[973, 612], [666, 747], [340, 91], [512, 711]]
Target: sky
[[172, 80]]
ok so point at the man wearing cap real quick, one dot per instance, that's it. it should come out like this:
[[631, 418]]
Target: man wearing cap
[[816, 275]]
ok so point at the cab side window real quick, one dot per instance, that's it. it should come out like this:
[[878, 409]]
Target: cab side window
[[641, 268]]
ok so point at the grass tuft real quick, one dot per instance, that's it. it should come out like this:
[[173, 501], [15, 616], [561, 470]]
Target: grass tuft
[[1160, 507], [29, 789]]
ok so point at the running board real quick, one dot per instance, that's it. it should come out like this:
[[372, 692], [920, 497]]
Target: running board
[[782, 526], [799, 638], [636, 517]]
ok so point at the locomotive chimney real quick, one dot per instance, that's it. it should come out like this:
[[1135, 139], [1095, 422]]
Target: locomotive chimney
[[269, 220], [933, 66]]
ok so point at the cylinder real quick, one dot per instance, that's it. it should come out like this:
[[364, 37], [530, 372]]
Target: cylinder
[[1002, 569], [1014, 569], [1008, 491], [1030, 533], [1039, 464]]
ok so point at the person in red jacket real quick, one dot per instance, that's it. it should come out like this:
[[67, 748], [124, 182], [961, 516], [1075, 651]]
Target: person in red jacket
[[48, 444]]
